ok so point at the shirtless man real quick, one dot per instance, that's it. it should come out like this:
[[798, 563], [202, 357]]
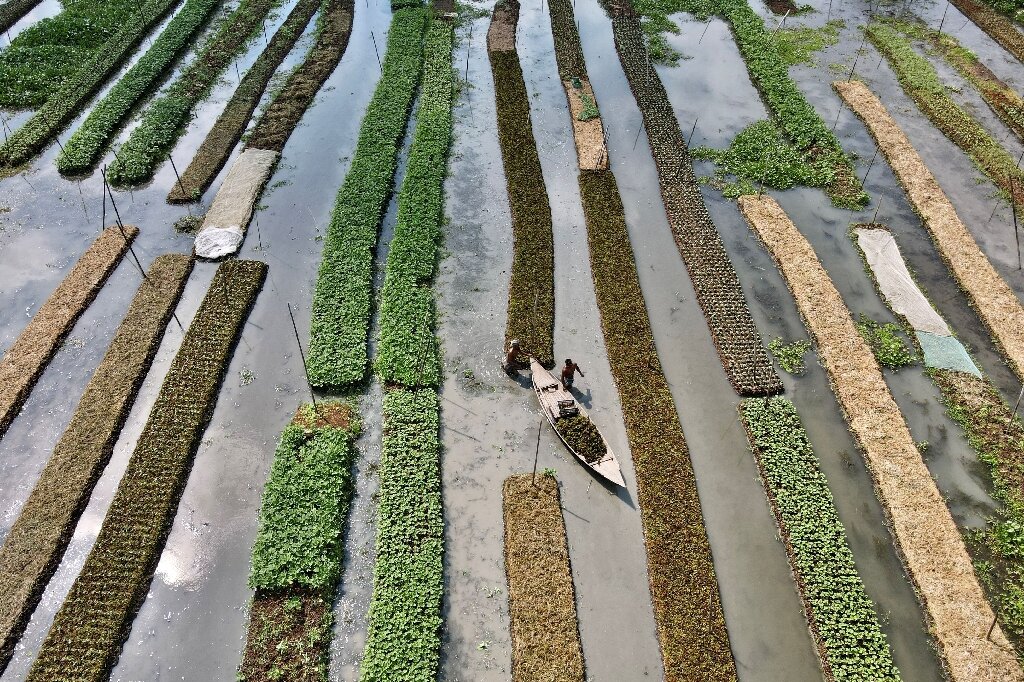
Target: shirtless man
[[512, 357], [568, 373]]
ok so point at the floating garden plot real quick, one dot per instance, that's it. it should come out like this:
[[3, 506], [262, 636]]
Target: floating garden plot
[[24, 362], [927, 538], [36, 542], [714, 279], [531, 290], [296, 560], [88, 631], [541, 599], [994, 301], [166, 118], [13, 10], [999, 28], [85, 147], [343, 298]]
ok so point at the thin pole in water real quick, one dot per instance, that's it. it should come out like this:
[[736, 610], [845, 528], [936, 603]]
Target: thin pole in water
[[120, 225], [1013, 210], [706, 27], [536, 452], [692, 131], [943, 20], [302, 356], [781, 24], [376, 52], [1017, 404], [469, 44], [638, 130], [857, 57], [181, 187], [838, 114], [828, 16], [873, 157], [875, 216]]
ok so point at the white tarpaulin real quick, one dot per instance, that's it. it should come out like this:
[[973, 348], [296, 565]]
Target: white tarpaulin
[[896, 284], [227, 220]]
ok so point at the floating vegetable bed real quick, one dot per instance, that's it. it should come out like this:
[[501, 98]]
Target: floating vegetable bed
[[714, 278], [531, 289], [85, 147], [296, 559], [994, 301], [541, 598], [13, 10], [999, 28], [89, 630], [842, 619], [927, 538], [24, 362], [166, 118], [36, 542], [342, 299]]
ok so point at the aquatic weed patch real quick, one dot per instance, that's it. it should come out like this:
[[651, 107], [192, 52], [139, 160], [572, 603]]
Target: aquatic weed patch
[[216, 147], [342, 299], [684, 589], [790, 356], [582, 436], [841, 617], [999, 28], [988, 293], [407, 350], [923, 529], [531, 291], [541, 598], [39, 536], [921, 82], [714, 278], [886, 343], [166, 118], [85, 147], [24, 362], [88, 631], [404, 638]]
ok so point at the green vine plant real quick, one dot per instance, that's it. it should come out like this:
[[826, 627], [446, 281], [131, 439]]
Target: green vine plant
[[790, 356], [886, 343]]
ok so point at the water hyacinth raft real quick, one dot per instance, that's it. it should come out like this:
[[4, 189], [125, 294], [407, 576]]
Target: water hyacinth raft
[[925, 534], [90, 628]]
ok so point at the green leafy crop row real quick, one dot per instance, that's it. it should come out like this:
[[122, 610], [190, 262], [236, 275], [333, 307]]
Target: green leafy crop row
[[843, 619], [531, 295], [920, 80], [48, 54], [84, 148], [166, 117], [63, 99], [407, 352], [403, 642], [343, 297], [13, 10], [769, 72], [36, 541], [714, 278], [88, 631], [886, 343]]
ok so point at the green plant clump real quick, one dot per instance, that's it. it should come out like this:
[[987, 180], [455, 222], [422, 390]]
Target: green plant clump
[[844, 622], [85, 639], [797, 45], [343, 296], [167, 117], [886, 343], [590, 110], [790, 355], [83, 150], [768, 71], [404, 637], [407, 350], [583, 437]]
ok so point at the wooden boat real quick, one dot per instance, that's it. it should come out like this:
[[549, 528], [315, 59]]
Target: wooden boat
[[556, 403]]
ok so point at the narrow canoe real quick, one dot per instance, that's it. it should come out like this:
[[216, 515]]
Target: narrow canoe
[[556, 402]]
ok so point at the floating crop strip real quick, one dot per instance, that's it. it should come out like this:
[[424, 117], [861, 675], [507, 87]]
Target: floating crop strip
[[85, 147], [928, 539], [46, 55], [296, 560], [25, 360], [921, 82], [403, 641], [842, 618], [13, 10], [286, 107], [687, 605], [407, 349], [541, 599], [715, 282], [998, 28], [228, 129], [531, 289], [37, 540], [342, 299], [769, 73], [165, 119], [991, 297], [88, 631], [80, 83]]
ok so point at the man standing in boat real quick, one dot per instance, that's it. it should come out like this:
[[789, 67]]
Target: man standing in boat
[[568, 373]]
